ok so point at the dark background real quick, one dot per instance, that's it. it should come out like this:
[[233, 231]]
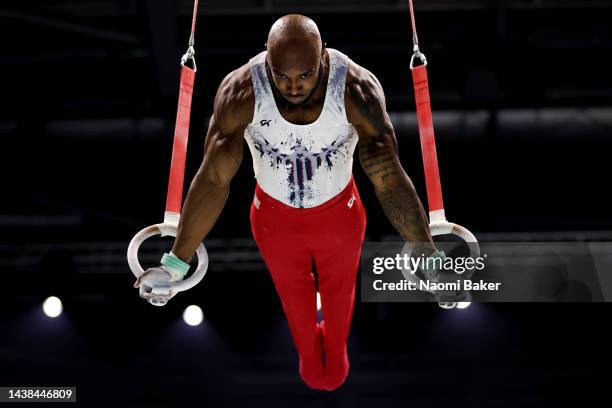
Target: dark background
[[521, 96]]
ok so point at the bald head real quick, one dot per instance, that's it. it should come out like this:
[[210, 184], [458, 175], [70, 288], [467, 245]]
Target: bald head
[[294, 28], [294, 56]]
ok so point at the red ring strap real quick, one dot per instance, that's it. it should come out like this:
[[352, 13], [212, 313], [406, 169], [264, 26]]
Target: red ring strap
[[179, 149], [426, 130], [428, 141], [174, 198]]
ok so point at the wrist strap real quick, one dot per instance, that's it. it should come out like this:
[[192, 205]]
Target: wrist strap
[[433, 256], [172, 261]]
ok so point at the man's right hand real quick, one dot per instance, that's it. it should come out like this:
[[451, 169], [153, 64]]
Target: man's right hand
[[159, 277], [153, 275], [172, 269]]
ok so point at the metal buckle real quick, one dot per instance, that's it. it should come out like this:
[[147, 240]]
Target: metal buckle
[[417, 54], [189, 55]]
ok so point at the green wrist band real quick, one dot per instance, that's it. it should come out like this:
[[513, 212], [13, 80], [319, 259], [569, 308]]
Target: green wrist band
[[434, 255], [173, 262]]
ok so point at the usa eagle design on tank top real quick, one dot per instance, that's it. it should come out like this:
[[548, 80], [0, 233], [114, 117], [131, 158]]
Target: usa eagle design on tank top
[[301, 165]]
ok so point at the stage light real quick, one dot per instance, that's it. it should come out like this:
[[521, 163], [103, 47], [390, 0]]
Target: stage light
[[463, 305], [193, 315], [52, 306]]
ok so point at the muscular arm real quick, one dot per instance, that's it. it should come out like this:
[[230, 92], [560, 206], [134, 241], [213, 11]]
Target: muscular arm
[[223, 151], [378, 154]]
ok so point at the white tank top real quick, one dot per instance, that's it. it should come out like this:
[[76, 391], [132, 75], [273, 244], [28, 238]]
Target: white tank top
[[301, 165]]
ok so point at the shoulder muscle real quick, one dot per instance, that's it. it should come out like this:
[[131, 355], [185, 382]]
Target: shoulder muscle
[[367, 112], [235, 101], [365, 100]]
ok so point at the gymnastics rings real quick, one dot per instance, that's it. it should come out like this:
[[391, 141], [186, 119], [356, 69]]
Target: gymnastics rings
[[160, 295]]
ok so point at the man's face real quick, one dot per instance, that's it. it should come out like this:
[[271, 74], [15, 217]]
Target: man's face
[[295, 74]]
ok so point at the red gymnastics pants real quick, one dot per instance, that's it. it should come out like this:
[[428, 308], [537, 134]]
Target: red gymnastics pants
[[290, 240]]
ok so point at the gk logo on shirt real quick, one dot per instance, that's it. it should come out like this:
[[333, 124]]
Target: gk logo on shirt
[[265, 122]]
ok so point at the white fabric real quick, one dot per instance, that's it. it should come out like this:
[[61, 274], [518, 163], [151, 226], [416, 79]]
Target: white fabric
[[301, 165]]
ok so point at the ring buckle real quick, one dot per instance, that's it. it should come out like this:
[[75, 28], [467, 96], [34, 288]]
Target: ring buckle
[[417, 54], [189, 55]]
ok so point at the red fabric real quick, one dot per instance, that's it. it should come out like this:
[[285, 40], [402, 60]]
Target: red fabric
[[411, 7], [290, 240], [428, 142], [179, 149], [194, 17]]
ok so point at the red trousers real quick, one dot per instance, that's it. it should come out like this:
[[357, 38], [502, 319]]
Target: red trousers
[[290, 240]]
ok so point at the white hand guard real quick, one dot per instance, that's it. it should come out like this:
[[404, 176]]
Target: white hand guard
[[155, 285]]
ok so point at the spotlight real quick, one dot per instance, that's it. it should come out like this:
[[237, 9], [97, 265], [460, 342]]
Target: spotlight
[[463, 305], [318, 301], [193, 315], [52, 306]]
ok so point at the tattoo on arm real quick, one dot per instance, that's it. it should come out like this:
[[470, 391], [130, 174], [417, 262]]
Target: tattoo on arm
[[379, 159], [405, 211], [394, 190]]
